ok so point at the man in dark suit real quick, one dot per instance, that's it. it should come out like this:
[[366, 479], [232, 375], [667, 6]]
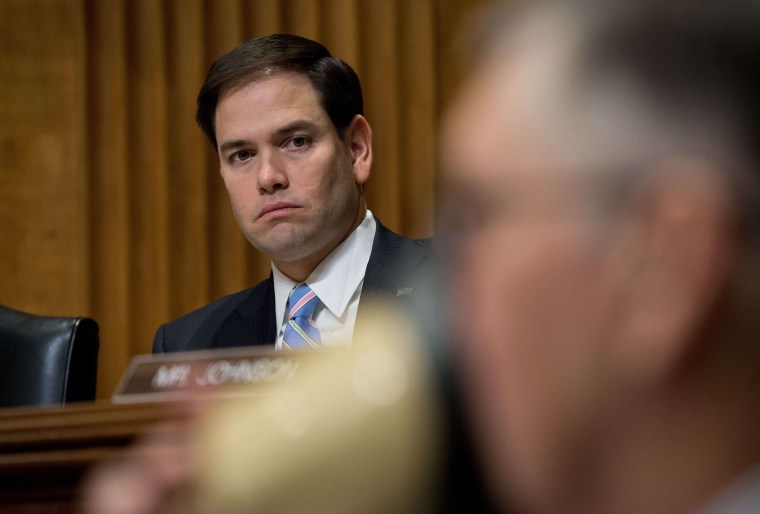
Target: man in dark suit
[[295, 150]]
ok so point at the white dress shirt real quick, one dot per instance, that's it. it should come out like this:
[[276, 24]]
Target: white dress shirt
[[337, 281]]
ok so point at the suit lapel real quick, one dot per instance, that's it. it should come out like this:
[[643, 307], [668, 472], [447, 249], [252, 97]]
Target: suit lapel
[[252, 323]]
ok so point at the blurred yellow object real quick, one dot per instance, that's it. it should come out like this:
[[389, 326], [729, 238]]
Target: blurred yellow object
[[356, 431]]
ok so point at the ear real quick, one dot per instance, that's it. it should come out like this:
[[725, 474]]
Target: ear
[[682, 258], [358, 138]]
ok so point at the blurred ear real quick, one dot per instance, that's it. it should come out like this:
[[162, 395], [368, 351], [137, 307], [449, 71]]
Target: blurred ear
[[682, 255], [358, 137]]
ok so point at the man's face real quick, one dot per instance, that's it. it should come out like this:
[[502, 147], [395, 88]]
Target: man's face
[[293, 187], [536, 285]]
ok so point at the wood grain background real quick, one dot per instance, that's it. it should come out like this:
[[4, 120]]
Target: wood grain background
[[110, 201]]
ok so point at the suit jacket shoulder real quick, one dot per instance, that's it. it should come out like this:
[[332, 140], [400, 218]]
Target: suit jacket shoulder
[[245, 318], [393, 261]]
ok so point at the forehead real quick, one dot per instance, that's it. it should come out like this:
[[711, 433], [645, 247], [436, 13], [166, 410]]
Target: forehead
[[528, 108], [269, 98], [499, 125]]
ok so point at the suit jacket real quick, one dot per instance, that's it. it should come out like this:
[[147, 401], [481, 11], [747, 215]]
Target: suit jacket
[[247, 318]]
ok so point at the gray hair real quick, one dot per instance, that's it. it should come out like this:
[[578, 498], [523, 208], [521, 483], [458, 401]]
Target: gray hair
[[639, 80]]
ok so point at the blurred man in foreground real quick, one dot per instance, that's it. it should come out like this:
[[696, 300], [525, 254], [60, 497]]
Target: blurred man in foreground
[[603, 164]]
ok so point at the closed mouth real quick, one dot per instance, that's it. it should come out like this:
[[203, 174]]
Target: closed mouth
[[276, 206]]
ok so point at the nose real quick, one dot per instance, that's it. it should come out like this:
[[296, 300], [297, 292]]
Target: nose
[[271, 175]]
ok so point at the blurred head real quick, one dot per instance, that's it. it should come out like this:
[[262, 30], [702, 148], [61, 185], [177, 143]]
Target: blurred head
[[601, 166]]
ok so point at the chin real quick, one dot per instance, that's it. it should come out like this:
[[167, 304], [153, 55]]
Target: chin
[[294, 251], [282, 242]]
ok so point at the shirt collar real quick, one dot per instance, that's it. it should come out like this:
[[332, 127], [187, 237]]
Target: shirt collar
[[337, 277]]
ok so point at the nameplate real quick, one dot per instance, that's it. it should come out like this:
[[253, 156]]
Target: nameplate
[[171, 376]]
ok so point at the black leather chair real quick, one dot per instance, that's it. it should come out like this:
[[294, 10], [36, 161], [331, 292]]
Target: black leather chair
[[46, 360]]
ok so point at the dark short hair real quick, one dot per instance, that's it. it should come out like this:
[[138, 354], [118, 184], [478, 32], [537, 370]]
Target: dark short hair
[[335, 82]]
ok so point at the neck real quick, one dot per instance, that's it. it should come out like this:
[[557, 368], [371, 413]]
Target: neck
[[299, 270]]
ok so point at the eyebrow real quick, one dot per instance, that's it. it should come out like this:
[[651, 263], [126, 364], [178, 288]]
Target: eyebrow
[[231, 145], [294, 126]]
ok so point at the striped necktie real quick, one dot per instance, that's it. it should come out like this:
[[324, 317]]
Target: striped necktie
[[301, 331]]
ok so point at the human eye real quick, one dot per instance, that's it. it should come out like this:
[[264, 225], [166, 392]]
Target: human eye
[[240, 156], [297, 143]]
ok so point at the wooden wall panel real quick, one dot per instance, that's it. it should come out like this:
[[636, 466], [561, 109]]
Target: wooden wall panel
[[380, 82], [229, 254], [452, 19], [263, 17], [148, 173], [109, 184], [111, 204], [44, 247], [417, 118], [187, 166], [340, 30], [302, 17]]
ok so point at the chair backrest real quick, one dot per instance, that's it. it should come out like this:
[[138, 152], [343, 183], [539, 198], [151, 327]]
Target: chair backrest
[[46, 360]]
